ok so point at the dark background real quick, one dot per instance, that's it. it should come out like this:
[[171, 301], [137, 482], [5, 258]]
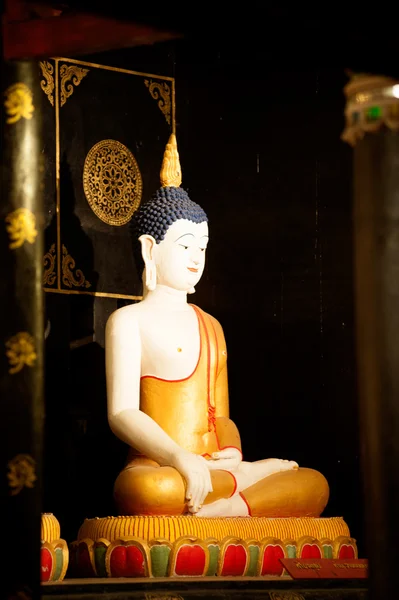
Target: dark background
[[259, 119]]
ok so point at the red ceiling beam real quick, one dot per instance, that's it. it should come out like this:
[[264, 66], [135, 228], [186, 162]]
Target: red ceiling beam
[[69, 35]]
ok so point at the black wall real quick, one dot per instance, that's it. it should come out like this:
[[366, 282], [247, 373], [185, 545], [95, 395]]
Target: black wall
[[260, 150]]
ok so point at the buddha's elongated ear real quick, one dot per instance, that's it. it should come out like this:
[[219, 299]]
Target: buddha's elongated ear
[[148, 249]]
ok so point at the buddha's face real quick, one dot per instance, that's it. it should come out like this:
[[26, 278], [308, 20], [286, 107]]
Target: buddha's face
[[180, 257]]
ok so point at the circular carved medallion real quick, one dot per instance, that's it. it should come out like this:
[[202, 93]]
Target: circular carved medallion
[[112, 182]]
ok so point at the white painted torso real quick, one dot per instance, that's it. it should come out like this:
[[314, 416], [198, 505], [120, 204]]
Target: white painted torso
[[170, 341]]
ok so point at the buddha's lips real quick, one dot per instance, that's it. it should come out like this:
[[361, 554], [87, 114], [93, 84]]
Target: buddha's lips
[[192, 269]]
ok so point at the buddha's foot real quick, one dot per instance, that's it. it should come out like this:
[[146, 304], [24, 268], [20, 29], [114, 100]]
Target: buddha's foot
[[225, 507], [269, 466], [249, 473]]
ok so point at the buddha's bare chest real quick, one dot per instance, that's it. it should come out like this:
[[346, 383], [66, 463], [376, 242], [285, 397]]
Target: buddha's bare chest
[[170, 345]]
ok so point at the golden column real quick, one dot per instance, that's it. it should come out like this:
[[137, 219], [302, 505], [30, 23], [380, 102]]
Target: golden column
[[372, 127], [21, 327]]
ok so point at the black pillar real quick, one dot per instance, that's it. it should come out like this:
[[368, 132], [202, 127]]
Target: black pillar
[[372, 127], [21, 329]]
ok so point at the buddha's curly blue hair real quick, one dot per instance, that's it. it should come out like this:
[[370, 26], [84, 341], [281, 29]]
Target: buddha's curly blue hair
[[154, 217]]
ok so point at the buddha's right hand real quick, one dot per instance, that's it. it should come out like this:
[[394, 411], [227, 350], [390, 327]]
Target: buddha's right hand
[[195, 471]]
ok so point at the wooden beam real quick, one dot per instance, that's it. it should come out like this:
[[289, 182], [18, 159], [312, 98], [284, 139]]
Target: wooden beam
[[76, 34]]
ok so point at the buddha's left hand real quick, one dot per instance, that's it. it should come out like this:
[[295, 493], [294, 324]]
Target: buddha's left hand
[[227, 459]]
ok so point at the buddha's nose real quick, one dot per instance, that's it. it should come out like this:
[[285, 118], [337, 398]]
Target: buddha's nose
[[196, 258]]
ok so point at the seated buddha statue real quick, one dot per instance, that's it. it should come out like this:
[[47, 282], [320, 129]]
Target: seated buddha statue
[[167, 385]]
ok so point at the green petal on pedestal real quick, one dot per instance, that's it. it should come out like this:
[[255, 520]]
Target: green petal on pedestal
[[213, 559], [99, 558], [160, 560], [253, 560]]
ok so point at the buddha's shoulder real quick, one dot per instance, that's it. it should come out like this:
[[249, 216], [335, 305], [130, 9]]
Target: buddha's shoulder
[[125, 318], [216, 324]]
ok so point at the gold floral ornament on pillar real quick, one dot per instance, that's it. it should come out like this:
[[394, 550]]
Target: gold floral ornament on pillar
[[21, 473], [21, 227], [18, 103], [20, 352]]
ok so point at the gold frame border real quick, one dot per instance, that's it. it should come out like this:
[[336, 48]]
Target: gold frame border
[[57, 59], [108, 68], [85, 293]]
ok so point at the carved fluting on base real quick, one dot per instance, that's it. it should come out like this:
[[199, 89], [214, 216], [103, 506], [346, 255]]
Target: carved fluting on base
[[54, 555], [171, 528], [186, 546]]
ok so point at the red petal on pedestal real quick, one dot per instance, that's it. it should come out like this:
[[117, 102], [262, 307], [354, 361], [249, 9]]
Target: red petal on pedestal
[[235, 560], [190, 561], [46, 564], [271, 561], [346, 552], [127, 561], [311, 551]]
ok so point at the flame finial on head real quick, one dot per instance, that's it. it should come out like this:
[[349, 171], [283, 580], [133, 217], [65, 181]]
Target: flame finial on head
[[170, 170]]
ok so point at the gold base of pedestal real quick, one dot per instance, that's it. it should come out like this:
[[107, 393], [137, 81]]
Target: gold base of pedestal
[[189, 546]]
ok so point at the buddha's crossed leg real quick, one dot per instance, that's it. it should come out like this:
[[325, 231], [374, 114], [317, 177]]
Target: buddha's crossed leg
[[145, 488], [272, 488]]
